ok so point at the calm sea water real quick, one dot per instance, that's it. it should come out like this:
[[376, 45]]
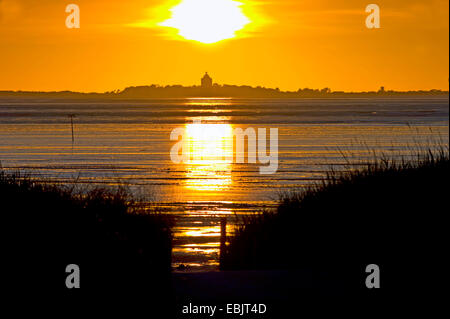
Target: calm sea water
[[119, 142]]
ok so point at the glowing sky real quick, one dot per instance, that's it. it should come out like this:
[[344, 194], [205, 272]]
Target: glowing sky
[[207, 21], [287, 44]]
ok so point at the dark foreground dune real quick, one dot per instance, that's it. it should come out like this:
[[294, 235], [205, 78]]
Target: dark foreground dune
[[123, 251], [314, 249], [390, 213]]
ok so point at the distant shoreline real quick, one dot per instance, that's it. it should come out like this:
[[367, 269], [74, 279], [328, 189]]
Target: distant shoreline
[[216, 91]]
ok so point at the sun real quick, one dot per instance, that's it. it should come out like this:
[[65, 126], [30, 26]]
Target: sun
[[207, 21]]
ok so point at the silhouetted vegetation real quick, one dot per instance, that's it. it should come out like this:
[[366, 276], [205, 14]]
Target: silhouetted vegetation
[[389, 213], [114, 239], [225, 90]]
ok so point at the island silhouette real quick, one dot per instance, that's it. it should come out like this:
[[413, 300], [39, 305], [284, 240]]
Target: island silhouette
[[208, 88]]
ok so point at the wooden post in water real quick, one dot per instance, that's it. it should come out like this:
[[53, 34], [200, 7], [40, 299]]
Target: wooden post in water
[[223, 238], [71, 116]]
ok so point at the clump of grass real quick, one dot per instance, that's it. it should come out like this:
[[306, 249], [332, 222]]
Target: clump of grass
[[389, 212], [116, 241]]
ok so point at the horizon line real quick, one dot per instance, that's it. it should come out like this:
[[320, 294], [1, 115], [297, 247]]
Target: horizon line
[[218, 86]]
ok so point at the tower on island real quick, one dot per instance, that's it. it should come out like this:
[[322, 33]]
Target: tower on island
[[207, 81]]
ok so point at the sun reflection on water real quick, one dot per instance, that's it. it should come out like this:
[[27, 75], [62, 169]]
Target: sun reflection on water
[[210, 146], [208, 140]]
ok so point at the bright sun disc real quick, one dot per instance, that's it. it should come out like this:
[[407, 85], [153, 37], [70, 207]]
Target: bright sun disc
[[207, 21]]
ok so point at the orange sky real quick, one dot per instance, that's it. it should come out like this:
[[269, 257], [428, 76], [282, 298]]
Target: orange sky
[[292, 44]]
